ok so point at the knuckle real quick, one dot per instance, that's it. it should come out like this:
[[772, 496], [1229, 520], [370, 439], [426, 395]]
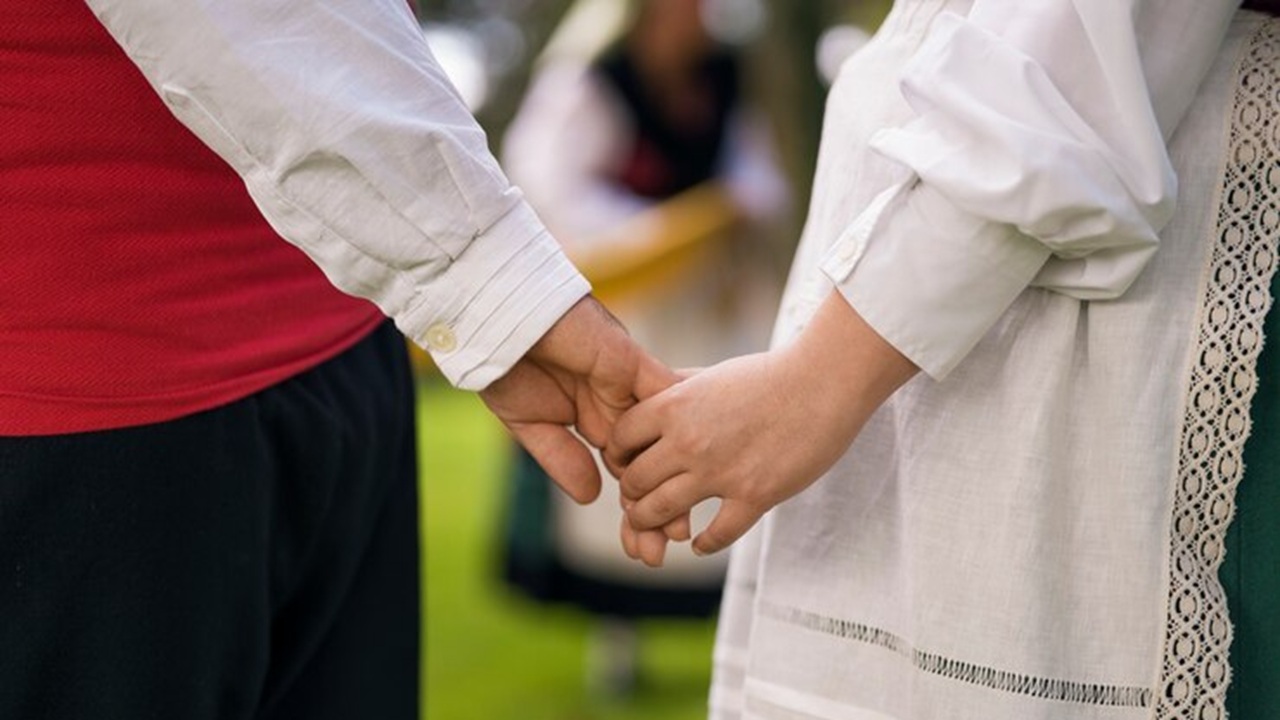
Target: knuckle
[[662, 507], [690, 445]]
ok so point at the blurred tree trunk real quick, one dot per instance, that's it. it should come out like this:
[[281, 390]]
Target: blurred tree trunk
[[538, 21], [785, 79], [430, 8], [785, 69]]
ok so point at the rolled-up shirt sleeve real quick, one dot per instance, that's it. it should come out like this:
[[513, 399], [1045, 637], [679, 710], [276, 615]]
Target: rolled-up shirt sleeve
[[1038, 157], [358, 150]]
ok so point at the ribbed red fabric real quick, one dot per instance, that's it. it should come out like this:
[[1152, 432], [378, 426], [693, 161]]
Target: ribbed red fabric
[[138, 281]]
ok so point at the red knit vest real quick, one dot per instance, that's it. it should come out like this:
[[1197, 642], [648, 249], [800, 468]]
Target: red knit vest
[[138, 282]]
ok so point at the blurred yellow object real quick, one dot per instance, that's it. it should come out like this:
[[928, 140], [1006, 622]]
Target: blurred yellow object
[[667, 244], [663, 245], [422, 363]]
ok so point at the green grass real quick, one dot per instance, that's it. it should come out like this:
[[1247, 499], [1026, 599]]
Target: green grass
[[488, 653]]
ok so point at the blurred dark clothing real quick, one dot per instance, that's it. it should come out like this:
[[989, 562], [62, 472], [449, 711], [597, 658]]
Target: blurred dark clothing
[[668, 157], [532, 563]]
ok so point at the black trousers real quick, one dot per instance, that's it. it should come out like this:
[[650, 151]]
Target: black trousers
[[255, 561]]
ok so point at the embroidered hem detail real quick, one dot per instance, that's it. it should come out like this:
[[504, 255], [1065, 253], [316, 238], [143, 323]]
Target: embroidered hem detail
[[994, 678]]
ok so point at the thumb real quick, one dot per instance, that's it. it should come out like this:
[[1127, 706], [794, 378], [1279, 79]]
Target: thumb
[[733, 520]]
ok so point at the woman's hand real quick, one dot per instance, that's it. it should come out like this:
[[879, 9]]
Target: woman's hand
[[755, 430]]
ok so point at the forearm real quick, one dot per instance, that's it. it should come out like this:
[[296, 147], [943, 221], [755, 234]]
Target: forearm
[[843, 371]]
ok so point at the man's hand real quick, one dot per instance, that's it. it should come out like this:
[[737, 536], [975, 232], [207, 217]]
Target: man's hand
[[582, 374]]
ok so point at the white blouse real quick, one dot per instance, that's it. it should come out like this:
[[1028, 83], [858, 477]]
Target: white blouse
[[1036, 156], [358, 150]]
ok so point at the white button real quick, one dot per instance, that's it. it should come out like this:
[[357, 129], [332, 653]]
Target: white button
[[852, 247], [441, 338]]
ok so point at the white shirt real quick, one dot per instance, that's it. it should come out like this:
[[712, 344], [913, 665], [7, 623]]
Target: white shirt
[[358, 150], [1035, 157]]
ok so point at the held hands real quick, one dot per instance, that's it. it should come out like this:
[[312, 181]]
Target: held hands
[[583, 373], [752, 431]]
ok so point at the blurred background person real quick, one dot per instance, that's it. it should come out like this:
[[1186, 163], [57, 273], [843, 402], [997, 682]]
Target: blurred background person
[[637, 147]]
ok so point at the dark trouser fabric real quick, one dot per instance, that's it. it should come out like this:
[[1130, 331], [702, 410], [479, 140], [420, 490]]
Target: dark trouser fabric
[[1250, 571], [255, 561]]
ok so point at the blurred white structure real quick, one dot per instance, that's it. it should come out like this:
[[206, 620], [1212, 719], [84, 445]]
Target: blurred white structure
[[462, 56], [835, 46]]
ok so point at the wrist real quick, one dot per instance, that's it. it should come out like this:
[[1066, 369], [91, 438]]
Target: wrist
[[578, 334], [851, 369]]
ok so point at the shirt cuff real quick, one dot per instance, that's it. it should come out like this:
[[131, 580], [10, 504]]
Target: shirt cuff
[[930, 278], [498, 298]]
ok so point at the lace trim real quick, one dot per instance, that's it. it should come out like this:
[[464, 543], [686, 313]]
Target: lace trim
[[1195, 672], [994, 678]]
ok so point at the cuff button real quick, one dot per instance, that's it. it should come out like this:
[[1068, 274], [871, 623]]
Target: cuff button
[[441, 338]]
